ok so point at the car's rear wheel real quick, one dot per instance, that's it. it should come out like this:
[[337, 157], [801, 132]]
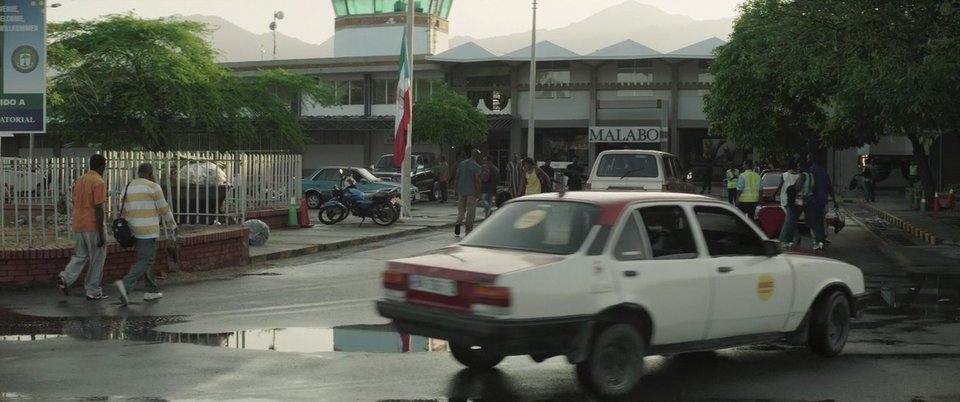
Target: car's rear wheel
[[475, 357], [830, 324], [314, 200], [615, 364]]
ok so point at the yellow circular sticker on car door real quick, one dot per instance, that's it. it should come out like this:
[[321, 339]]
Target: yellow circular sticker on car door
[[765, 287]]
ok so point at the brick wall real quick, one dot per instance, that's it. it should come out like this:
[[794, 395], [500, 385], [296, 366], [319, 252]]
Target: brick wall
[[198, 252], [275, 218]]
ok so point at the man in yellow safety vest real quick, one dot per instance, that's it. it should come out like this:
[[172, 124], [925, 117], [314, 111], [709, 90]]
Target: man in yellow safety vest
[[730, 177], [748, 189]]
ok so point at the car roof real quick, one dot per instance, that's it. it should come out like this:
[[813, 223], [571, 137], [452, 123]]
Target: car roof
[[634, 151], [613, 202]]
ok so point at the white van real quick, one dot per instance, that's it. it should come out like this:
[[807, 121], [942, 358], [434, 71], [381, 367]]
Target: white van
[[638, 170]]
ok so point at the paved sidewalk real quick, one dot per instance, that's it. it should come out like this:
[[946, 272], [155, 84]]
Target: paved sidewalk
[[286, 243], [934, 228]]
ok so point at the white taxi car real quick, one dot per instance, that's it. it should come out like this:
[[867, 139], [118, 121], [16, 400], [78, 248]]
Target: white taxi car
[[606, 278]]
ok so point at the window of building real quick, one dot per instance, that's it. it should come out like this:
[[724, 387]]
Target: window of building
[[349, 92], [553, 73], [704, 75], [384, 92], [634, 72]]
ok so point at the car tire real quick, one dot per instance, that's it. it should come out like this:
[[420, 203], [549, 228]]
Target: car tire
[[475, 358], [502, 198], [830, 324], [615, 364], [314, 200]]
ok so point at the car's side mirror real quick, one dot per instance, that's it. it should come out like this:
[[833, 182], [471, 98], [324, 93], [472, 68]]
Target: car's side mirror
[[771, 248]]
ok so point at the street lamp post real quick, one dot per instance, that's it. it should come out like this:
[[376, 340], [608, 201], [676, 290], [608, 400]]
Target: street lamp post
[[278, 15], [531, 126]]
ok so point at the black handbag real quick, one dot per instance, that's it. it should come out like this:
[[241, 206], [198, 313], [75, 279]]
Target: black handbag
[[121, 228]]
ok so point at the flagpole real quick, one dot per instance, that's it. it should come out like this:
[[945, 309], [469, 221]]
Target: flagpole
[[405, 167]]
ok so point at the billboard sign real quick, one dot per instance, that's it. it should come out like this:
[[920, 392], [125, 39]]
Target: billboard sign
[[23, 52]]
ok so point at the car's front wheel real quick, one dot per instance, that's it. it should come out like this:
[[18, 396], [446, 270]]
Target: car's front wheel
[[475, 357], [830, 324], [615, 364], [314, 200]]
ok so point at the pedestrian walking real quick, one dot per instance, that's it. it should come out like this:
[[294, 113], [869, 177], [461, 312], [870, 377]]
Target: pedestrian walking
[[788, 196], [868, 184], [89, 238], [490, 176], [443, 178], [574, 175], [468, 189], [548, 169], [534, 180], [822, 193], [748, 189], [144, 206], [707, 176], [731, 177], [514, 173]]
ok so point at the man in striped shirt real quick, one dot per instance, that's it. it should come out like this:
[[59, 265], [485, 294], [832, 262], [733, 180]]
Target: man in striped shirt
[[145, 205]]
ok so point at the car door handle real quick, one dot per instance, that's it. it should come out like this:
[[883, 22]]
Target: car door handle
[[630, 273], [724, 270]]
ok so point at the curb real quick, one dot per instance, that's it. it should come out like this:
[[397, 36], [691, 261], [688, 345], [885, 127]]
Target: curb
[[908, 227], [319, 248]]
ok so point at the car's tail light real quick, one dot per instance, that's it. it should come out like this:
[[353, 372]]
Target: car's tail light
[[491, 295], [395, 285]]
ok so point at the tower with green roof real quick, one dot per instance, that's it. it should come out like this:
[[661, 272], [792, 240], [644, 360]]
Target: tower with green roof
[[374, 27]]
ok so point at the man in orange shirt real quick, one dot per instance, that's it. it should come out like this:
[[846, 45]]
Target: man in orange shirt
[[89, 195]]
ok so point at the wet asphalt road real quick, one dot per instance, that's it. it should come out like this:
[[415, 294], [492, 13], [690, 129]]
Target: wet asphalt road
[[305, 329]]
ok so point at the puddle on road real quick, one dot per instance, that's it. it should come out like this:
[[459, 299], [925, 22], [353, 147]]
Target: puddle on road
[[353, 338], [930, 295]]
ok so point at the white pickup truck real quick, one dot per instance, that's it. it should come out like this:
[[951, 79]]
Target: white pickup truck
[[606, 278]]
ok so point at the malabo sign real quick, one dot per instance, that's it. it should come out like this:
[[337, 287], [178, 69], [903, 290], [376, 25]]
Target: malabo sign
[[625, 134]]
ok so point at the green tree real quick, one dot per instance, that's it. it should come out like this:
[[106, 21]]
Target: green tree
[[824, 73], [126, 82], [447, 118]]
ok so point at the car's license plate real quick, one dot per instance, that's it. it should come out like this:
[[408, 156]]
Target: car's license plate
[[428, 284]]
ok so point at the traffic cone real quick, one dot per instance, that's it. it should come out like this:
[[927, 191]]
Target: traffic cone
[[292, 212], [303, 215], [950, 200], [936, 202]]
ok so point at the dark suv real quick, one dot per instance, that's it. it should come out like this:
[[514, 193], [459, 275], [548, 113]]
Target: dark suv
[[423, 176]]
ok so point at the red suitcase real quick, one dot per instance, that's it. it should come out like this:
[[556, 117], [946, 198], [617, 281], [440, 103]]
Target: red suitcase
[[771, 218]]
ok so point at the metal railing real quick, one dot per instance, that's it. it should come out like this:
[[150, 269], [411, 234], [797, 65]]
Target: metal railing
[[201, 188]]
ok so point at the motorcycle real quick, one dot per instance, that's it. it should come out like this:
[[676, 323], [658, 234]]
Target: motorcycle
[[382, 207]]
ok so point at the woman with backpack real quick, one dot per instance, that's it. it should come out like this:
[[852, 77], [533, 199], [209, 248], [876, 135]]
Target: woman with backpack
[[797, 183]]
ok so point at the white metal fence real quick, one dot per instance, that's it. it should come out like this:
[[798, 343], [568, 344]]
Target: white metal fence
[[201, 188]]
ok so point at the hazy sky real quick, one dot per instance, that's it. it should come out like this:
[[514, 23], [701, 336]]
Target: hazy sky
[[312, 20]]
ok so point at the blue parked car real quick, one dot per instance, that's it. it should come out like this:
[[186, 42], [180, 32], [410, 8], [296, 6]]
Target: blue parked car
[[318, 186]]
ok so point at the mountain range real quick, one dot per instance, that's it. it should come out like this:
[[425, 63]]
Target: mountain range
[[642, 23]]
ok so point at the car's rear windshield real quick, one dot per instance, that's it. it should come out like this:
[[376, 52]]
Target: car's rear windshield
[[628, 165], [771, 179], [556, 227]]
